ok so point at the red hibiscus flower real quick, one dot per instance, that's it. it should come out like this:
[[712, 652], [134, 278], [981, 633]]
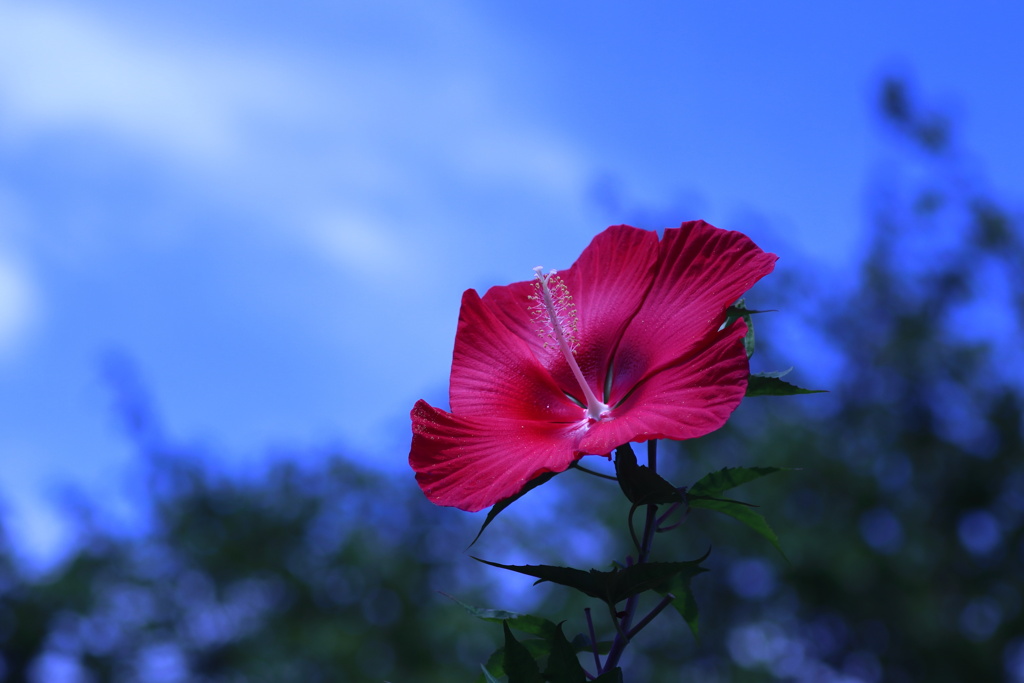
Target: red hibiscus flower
[[624, 346]]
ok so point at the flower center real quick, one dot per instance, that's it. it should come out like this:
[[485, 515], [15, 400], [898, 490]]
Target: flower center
[[555, 313]]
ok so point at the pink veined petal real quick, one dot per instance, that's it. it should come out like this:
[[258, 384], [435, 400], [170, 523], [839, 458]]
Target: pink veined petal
[[607, 283], [472, 463], [701, 271], [494, 372], [511, 305], [681, 401]]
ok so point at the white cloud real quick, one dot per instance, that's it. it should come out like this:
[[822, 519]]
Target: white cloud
[[377, 136], [63, 69], [360, 243]]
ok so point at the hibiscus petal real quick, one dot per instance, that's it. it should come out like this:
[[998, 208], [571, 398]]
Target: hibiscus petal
[[681, 401], [495, 373], [472, 463], [511, 304], [701, 271], [607, 283]]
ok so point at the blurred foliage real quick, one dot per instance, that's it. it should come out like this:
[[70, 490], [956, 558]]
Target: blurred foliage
[[904, 526], [295, 574]]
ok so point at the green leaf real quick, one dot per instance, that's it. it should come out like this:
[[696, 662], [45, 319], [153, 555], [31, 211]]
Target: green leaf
[[498, 507], [538, 649], [740, 310], [519, 664], [611, 586], [767, 384], [776, 373], [534, 625], [729, 477], [527, 623], [683, 601], [493, 666], [613, 676], [488, 678], [743, 513], [581, 643], [563, 666], [641, 485]]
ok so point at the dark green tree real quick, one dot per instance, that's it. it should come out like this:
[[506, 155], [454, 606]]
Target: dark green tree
[[322, 573]]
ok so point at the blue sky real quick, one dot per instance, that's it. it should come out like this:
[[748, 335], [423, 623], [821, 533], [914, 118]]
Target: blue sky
[[273, 208]]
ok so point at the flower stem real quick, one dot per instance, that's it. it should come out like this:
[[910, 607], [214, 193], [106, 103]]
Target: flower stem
[[665, 602], [671, 511], [581, 468], [593, 640], [624, 627], [632, 531]]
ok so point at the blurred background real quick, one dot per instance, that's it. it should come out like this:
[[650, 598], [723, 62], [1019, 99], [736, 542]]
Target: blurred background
[[233, 240]]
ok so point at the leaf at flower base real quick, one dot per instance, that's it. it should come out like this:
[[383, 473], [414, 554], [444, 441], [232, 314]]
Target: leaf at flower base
[[729, 477], [765, 384], [527, 623], [519, 664], [641, 485], [734, 313], [743, 513], [563, 666], [613, 676], [776, 373], [748, 338], [502, 504], [740, 310], [610, 586]]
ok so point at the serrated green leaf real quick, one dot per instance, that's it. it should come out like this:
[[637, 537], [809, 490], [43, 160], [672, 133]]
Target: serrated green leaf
[[581, 643], [492, 667], [641, 485], [501, 505], [743, 513], [764, 384], [538, 649], [519, 664], [740, 310], [610, 586], [563, 666], [748, 337], [683, 600], [713, 483], [776, 373], [527, 623], [487, 677], [594, 583], [613, 676]]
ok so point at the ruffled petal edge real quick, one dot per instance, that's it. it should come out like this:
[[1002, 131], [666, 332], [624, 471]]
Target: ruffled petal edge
[[474, 462]]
